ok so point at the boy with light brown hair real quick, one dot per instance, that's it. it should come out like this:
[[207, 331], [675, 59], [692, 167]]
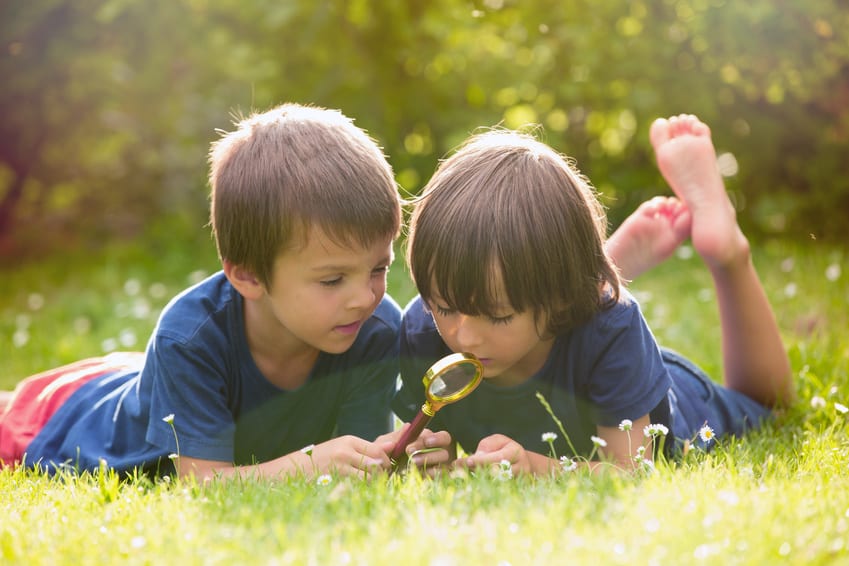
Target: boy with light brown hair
[[282, 363]]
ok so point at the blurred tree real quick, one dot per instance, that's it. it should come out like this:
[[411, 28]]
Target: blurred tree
[[105, 115], [108, 106]]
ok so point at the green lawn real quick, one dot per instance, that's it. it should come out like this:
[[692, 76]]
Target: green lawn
[[777, 496]]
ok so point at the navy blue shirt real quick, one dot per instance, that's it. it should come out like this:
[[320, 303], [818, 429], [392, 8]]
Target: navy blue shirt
[[198, 367], [600, 373]]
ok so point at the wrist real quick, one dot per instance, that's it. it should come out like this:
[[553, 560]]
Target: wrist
[[542, 464], [300, 462]]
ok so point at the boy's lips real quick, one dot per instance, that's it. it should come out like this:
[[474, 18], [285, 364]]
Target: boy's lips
[[351, 328]]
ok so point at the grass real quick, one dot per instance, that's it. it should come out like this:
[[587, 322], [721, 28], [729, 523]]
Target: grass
[[777, 496]]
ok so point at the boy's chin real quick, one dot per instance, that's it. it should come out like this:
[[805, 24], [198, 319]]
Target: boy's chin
[[337, 346], [487, 374]]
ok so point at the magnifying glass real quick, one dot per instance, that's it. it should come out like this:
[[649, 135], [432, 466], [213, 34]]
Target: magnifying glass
[[448, 380]]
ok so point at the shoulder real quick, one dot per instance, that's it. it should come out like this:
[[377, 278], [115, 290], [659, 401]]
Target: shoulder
[[418, 329], [622, 315], [624, 375], [199, 332], [203, 313], [618, 332], [379, 335], [416, 318], [384, 322], [420, 339], [387, 314]]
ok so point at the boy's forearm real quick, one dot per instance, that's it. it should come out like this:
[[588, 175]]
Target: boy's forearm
[[542, 465], [285, 466]]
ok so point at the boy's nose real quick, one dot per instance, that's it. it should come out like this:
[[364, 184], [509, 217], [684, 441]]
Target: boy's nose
[[365, 296], [467, 333]]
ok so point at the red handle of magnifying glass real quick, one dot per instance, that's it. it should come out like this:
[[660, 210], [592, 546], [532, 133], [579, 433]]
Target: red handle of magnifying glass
[[399, 453]]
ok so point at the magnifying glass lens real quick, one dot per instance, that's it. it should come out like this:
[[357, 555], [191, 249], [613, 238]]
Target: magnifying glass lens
[[452, 380]]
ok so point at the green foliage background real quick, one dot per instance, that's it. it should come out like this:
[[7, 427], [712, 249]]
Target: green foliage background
[[108, 106]]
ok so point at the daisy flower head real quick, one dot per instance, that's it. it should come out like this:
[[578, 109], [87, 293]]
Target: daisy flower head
[[505, 470], [324, 479], [168, 418], [549, 437], [655, 430], [598, 441], [626, 424], [706, 434], [841, 408], [817, 402], [568, 464], [308, 449]]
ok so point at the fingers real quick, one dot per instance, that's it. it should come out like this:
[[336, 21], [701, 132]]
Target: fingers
[[501, 451], [428, 440], [390, 437], [431, 449], [349, 455], [353, 456], [493, 450], [482, 459], [496, 442], [369, 455]]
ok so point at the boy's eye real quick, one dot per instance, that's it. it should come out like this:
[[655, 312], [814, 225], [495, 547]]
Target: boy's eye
[[331, 282], [501, 319], [443, 311], [382, 270]]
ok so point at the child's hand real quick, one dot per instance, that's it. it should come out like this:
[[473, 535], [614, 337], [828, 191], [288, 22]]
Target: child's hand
[[349, 456], [495, 449], [431, 451]]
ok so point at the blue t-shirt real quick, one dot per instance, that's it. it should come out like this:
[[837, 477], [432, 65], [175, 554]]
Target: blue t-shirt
[[198, 368], [600, 373]]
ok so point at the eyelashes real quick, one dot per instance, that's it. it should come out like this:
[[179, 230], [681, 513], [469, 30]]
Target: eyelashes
[[376, 272], [445, 311]]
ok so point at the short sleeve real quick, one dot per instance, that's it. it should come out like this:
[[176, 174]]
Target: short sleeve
[[189, 384], [628, 378]]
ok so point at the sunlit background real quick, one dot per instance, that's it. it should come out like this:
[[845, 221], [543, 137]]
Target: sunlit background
[[107, 109]]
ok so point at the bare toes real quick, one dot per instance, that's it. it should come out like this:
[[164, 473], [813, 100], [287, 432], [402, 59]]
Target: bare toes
[[659, 132]]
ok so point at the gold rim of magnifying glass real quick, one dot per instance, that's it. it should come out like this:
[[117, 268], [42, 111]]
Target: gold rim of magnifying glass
[[447, 363]]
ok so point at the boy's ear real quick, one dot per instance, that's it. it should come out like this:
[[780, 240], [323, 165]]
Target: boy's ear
[[243, 280]]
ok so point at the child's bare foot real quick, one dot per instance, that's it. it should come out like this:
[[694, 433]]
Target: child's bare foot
[[687, 160], [649, 236]]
